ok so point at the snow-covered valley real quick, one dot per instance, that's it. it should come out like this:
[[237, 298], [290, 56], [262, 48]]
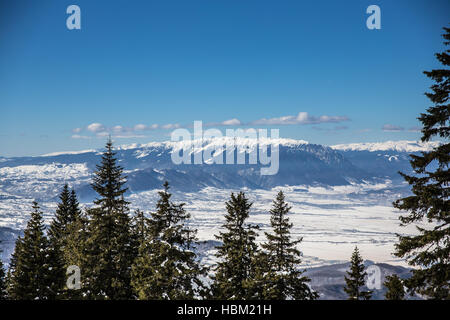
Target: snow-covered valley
[[340, 196]]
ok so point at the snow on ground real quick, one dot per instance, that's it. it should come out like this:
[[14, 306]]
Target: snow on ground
[[331, 220], [400, 146], [47, 171], [40, 182]]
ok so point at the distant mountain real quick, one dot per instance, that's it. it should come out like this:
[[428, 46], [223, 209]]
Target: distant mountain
[[399, 146], [329, 280], [148, 165], [384, 158]]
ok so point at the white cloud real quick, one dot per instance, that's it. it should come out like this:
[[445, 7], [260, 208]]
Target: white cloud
[[77, 136], [140, 127], [119, 131], [117, 128], [171, 126], [230, 122], [300, 118], [391, 128], [102, 134], [95, 127], [128, 136]]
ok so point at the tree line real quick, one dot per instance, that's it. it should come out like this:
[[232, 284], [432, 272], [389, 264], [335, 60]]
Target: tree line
[[150, 256], [153, 256]]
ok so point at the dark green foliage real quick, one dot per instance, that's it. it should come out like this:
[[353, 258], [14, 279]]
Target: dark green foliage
[[429, 207], [3, 293], [75, 251], [166, 266], [279, 277], [66, 214], [74, 242], [139, 227], [395, 288], [355, 279], [76, 234], [106, 271], [29, 276], [236, 269]]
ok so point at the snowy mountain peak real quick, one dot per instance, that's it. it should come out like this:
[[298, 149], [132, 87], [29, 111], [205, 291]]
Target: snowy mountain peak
[[399, 146], [209, 143]]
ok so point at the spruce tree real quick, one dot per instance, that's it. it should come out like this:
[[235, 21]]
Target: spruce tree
[[281, 278], [74, 242], [428, 206], [29, 276], [57, 236], [166, 266], [76, 233], [355, 279], [3, 293], [395, 288], [107, 265], [139, 229], [75, 252], [236, 269]]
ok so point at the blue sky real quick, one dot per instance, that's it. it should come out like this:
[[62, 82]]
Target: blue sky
[[136, 69]]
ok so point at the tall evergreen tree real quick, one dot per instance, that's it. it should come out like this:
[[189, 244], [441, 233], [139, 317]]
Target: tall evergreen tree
[[75, 251], [236, 269], [107, 265], [166, 266], [29, 276], [429, 250], [139, 226], [280, 277], [395, 288], [57, 236], [3, 293], [355, 279], [73, 243], [76, 233]]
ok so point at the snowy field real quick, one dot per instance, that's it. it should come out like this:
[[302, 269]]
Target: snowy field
[[331, 220]]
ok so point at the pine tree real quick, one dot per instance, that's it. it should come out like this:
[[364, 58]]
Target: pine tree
[[76, 233], [73, 248], [75, 251], [236, 269], [429, 250], [166, 266], [395, 288], [355, 279], [107, 266], [280, 278], [57, 236], [139, 225], [3, 293], [29, 276]]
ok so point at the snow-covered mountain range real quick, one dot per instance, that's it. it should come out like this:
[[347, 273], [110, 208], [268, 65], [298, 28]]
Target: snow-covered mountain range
[[148, 165], [341, 195]]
